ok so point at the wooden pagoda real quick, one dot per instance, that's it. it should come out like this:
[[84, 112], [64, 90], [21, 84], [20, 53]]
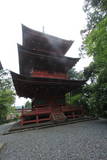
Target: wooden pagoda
[[43, 77]]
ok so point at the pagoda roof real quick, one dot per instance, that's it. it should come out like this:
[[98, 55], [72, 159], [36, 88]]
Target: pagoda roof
[[30, 87], [29, 61], [48, 44]]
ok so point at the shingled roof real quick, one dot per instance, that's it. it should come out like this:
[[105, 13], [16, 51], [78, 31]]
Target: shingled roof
[[45, 43], [29, 61], [28, 87]]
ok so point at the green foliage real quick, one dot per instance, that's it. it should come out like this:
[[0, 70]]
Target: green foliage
[[76, 99], [73, 74], [95, 45], [67, 98], [5, 80], [95, 98], [6, 100], [90, 72], [7, 96], [100, 5], [28, 105], [96, 10]]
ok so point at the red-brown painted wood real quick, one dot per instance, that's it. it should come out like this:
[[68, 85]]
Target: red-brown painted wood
[[48, 75], [68, 111]]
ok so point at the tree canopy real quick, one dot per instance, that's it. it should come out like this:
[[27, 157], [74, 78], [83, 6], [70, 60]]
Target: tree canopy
[[96, 10], [95, 45], [28, 105], [7, 95]]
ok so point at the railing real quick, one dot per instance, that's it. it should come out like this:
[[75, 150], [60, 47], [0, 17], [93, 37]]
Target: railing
[[70, 108], [69, 111], [35, 112]]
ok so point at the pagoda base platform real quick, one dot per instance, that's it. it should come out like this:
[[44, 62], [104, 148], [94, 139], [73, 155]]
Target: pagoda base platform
[[54, 114], [17, 127]]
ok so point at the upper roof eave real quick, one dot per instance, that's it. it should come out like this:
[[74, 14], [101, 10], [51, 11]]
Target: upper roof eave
[[28, 32], [21, 48], [25, 55], [34, 32]]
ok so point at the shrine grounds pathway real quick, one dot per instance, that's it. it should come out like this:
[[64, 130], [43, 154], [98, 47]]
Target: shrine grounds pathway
[[80, 141]]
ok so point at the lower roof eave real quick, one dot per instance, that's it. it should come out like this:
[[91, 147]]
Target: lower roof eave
[[28, 87]]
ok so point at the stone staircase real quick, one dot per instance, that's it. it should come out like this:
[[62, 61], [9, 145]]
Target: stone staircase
[[57, 115]]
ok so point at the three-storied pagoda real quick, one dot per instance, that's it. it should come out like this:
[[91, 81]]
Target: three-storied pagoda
[[43, 77]]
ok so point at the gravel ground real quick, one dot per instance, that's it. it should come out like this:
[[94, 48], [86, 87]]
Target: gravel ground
[[5, 127], [80, 141]]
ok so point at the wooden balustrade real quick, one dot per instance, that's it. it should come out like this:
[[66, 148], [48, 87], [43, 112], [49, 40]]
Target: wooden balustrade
[[68, 111]]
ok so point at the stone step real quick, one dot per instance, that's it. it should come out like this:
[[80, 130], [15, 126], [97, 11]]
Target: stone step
[[58, 116]]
